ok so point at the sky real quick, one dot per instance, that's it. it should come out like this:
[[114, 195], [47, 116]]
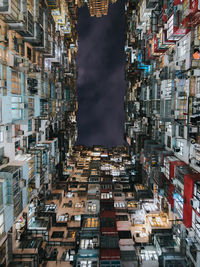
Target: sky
[[101, 80]]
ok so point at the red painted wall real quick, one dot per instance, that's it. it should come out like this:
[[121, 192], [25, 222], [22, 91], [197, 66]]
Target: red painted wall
[[189, 180]]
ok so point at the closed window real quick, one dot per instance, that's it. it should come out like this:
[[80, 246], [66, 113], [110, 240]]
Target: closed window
[[169, 141], [29, 125], [181, 131], [16, 82]]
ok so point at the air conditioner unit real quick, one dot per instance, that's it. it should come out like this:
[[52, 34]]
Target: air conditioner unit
[[19, 41], [193, 129], [22, 183], [178, 67], [196, 42], [19, 60], [178, 63], [26, 64], [195, 72], [20, 132], [10, 60], [194, 203]]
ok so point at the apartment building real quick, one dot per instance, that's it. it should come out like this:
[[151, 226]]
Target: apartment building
[[161, 105], [68, 205], [38, 104]]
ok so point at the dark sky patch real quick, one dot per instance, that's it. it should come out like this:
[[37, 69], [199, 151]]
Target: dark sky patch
[[101, 80]]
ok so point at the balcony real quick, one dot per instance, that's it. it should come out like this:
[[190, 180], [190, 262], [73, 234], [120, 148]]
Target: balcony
[[37, 35], [174, 32], [10, 10]]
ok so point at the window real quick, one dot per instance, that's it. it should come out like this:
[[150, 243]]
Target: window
[[106, 186], [181, 131], [87, 243], [17, 146], [39, 137], [29, 125], [17, 108], [16, 114], [22, 50], [0, 109], [149, 255], [31, 107], [1, 152], [16, 82], [124, 235], [122, 217], [110, 263], [117, 194], [169, 128], [169, 141], [181, 146], [16, 46], [197, 87], [29, 53], [1, 136], [87, 263], [182, 50], [1, 199]]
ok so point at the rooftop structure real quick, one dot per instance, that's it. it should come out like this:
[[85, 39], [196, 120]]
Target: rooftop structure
[[98, 8]]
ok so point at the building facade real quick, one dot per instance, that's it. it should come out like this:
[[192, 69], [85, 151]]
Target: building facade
[[38, 103], [161, 127], [68, 205]]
